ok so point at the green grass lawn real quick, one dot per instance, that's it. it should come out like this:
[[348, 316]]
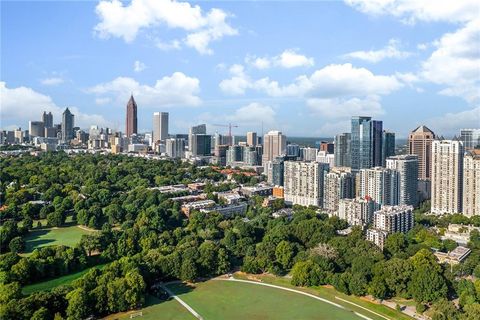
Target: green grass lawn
[[157, 309], [331, 293], [68, 236], [50, 284], [235, 300]]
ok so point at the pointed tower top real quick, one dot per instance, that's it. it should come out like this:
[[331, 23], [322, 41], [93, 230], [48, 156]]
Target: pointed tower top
[[423, 128]]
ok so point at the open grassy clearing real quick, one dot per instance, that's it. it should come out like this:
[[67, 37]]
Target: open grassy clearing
[[63, 280], [157, 309], [217, 299], [330, 294], [68, 236]]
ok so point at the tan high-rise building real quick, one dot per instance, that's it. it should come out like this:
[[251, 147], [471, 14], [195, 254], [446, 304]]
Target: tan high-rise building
[[447, 180], [251, 139], [471, 183], [274, 145], [420, 143], [160, 126]]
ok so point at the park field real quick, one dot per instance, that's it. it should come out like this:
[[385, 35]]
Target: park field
[[53, 283], [156, 309], [67, 236], [223, 299], [367, 308]]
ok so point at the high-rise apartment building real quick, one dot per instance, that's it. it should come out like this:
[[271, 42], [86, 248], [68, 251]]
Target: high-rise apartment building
[[47, 119], [339, 184], [175, 147], [36, 129], [131, 120], [388, 148], [357, 212], [420, 143], [274, 145], [304, 182], [407, 167], [471, 183], [251, 139], [160, 126], [447, 179], [470, 138], [394, 219], [366, 143], [390, 219], [343, 157], [380, 184], [68, 122]]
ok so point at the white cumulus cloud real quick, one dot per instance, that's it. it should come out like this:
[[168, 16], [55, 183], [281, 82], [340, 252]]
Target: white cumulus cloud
[[53, 81], [138, 66], [455, 62], [450, 123], [335, 80], [391, 50], [288, 59], [126, 21], [175, 90], [253, 114], [22, 104], [420, 10], [344, 108]]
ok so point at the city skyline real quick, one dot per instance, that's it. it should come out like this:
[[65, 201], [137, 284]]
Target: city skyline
[[276, 75]]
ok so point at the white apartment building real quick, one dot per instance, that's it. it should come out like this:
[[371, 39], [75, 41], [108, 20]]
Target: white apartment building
[[471, 183], [304, 182], [390, 219], [339, 184], [357, 212], [447, 179], [380, 184]]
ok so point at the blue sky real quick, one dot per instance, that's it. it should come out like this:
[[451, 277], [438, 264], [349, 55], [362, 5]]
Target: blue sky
[[300, 67]]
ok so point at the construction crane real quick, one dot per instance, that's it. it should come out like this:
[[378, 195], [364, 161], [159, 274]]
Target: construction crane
[[229, 126]]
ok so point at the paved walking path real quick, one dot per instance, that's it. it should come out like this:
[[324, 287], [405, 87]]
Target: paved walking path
[[359, 306], [298, 291], [183, 303]]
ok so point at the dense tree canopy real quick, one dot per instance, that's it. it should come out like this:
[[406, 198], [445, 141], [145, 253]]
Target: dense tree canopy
[[144, 238]]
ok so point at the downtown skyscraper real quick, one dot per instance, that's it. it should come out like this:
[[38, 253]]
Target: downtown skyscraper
[[274, 145], [68, 122], [366, 143], [420, 143], [47, 119], [131, 121], [342, 150], [160, 126]]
